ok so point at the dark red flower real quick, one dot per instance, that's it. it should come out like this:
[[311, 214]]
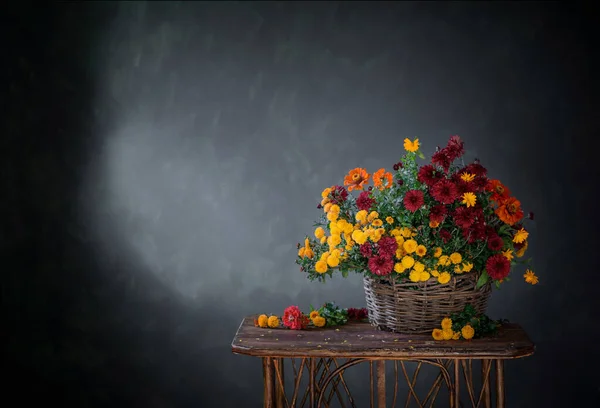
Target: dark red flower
[[497, 266], [366, 250], [441, 159], [364, 201], [445, 235], [294, 318], [387, 247], [494, 242], [437, 213], [319, 206], [530, 215], [400, 182], [413, 200], [398, 166], [463, 217], [476, 169], [444, 191], [357, 314], [455, 148], [429, 175], [476, 232], [338, 194], [381, 265]]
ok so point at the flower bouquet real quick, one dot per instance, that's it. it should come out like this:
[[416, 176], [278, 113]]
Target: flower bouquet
[[428, 239]]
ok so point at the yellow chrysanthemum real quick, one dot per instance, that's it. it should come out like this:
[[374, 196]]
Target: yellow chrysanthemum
[[389, 220], [323, 240], [324, 202], [372, 215], [421, 250], [361, 216], [408, 261], [406, 232], [456, 258], [444, 278], [520, 236], [424, 276], [444, 260], [446, 323], [375, 236], [410, 246], [399, 268], [395, 232], [326, 192], [508, 254], [334, 240], [521, 251], [333, 261], [334, 229], [273, 321], [263, 320], [456, 336], [447, 334], [414, 276], [359, 236], [530, 277], [327, 207], [400, 253], [467, 332], [419, 267], [437, 334], [319, 233], [313, 314], [438, 252], [469, 199], [400, 241], [332, 216], [377, 223], [467, 177], [411, 146], [319, 321], [467, 266], [435, 273], [321, 266], [458, 269]]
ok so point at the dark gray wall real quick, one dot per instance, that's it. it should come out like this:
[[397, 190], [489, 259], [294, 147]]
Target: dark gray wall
[[161, 161]]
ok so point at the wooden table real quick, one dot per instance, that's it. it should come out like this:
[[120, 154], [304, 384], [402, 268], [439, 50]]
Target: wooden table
[[326, 353]]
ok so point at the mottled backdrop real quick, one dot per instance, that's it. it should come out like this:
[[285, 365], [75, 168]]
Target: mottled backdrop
[[160, 161]]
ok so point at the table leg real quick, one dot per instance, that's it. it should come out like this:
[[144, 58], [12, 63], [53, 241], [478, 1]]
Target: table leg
[[381, 383], [312, 382], [279, 387], [456, 402], [269, 382], [486, 378], [500, 383]]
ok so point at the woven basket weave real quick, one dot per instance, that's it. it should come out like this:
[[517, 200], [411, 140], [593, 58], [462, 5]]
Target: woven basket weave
[[400, 308]]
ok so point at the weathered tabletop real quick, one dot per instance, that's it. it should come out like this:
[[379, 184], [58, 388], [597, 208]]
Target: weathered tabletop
[[360, 339]]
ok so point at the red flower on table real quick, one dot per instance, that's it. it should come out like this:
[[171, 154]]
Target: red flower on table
[[294, 318]]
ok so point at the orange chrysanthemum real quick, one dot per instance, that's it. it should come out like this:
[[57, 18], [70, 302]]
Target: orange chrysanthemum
[[356, 179], [510, 211], [383, 179], [499, 191]]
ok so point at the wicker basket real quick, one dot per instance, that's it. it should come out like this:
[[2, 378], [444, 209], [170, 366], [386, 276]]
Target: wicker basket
[[400, 308]]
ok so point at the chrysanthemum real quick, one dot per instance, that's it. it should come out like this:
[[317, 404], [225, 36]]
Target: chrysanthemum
[[383, 179], [381, 265], [437, 334], [495, 242], [530, 277], [497, 266], [429, 175], [444, 191], [509, 211], [446, 323], [356, 179], [463, 217], [469, 199], [437, 213], [499, 191], [520, 236], [411, 146], [413, 200], [467, 332]]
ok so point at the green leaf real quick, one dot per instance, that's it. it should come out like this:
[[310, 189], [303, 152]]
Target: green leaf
[[483, 279], [345, 273], [420, 154], [497, 284]]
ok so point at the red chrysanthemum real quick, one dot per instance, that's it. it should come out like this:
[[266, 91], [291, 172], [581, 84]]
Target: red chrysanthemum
[[463, 217], [494, 242], [387, 247], [413, 200], [445, 235], [441, 159], [357, 314], [366, 250], [476, 168], [444, 191], [294, 318], [455, 148], [338, 194], [497, 266], [364, 201], [429, 175], [475, 232], [381, 265], [437, 213]]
